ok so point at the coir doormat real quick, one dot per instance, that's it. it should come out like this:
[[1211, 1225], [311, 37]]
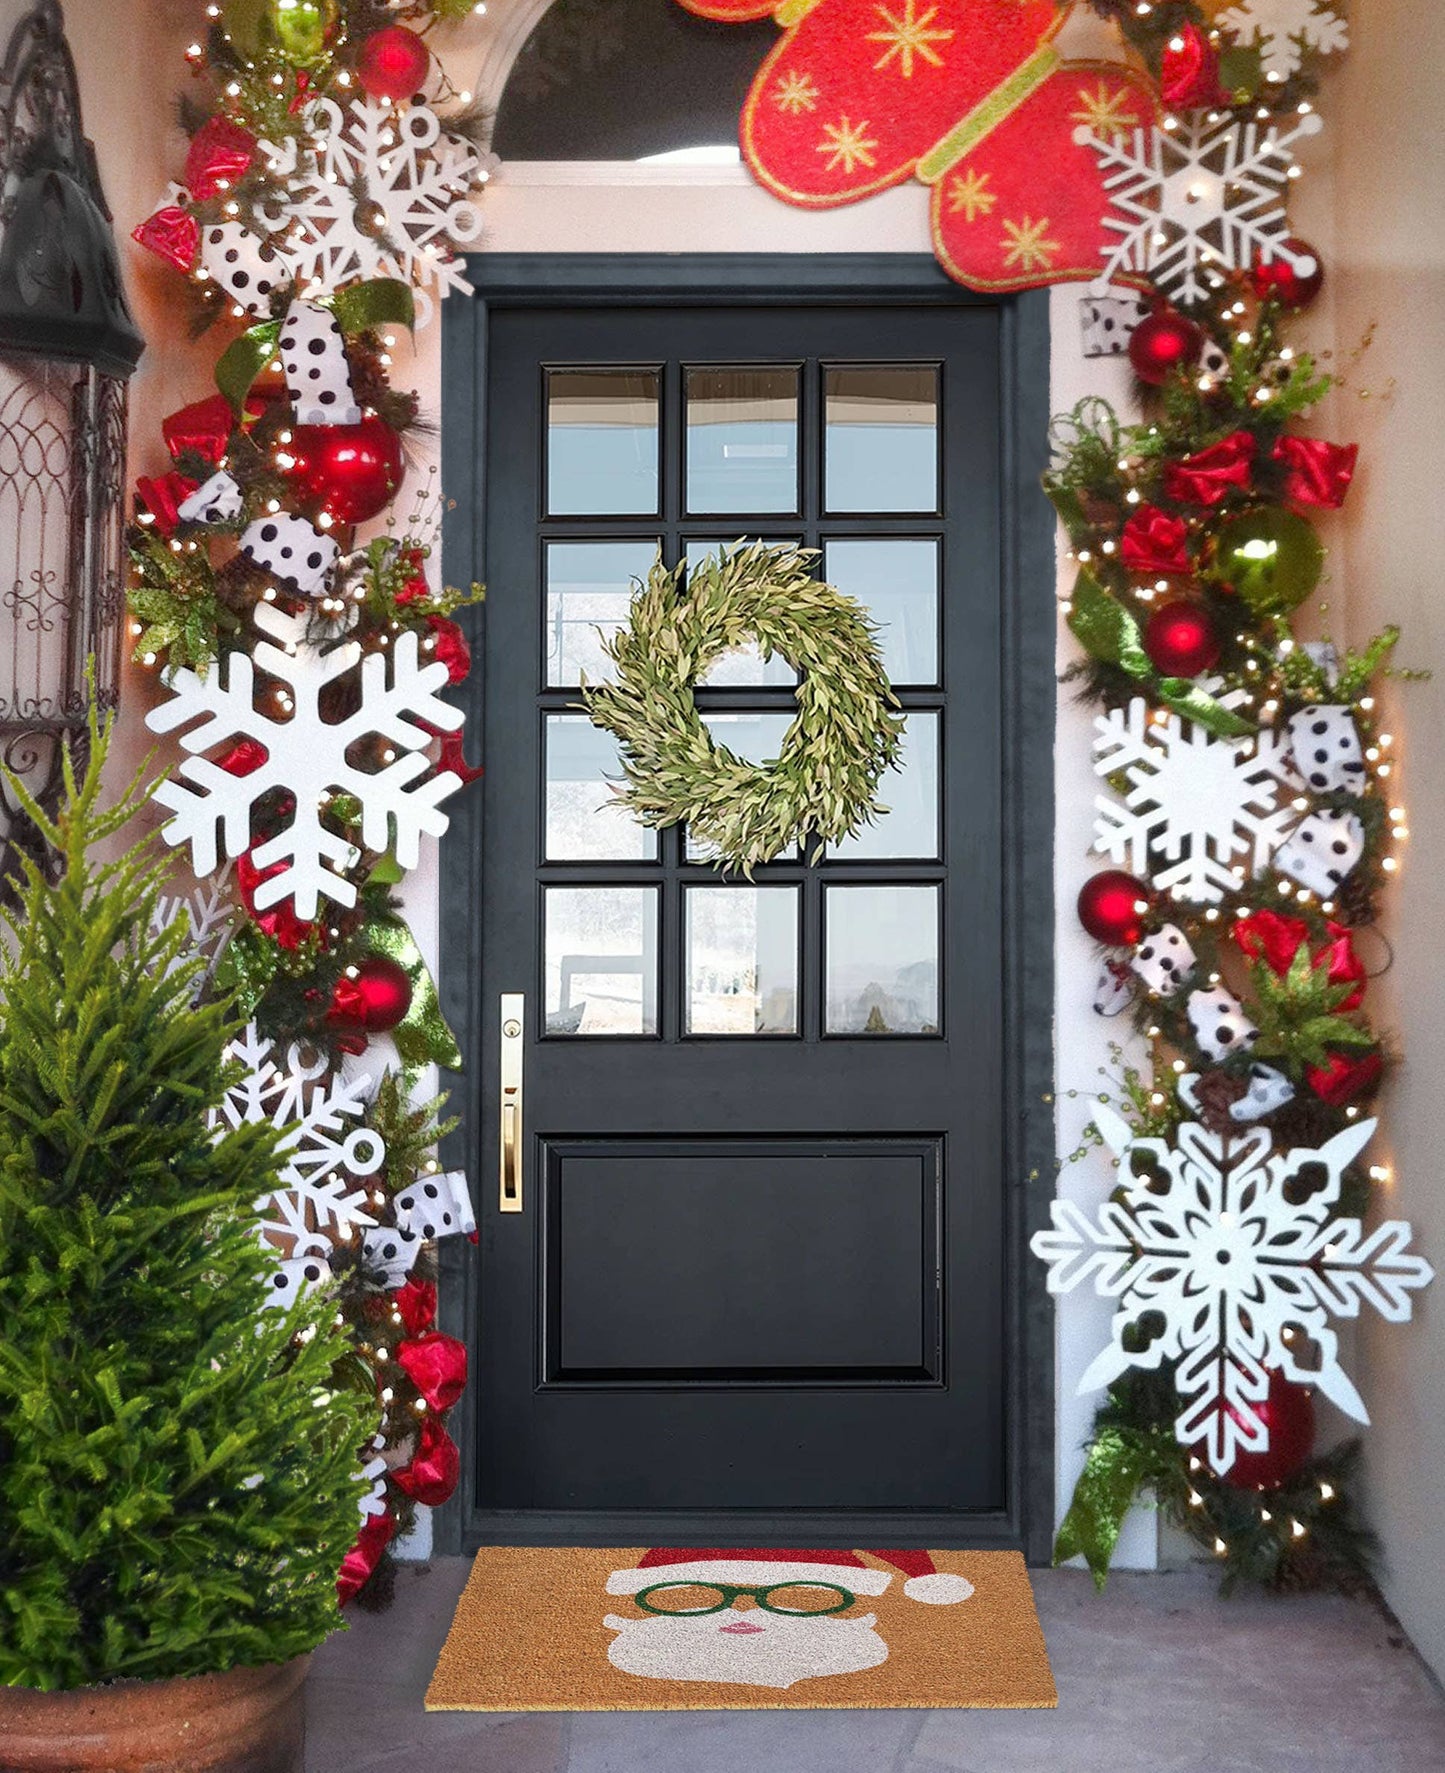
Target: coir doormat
[[686, 1630]]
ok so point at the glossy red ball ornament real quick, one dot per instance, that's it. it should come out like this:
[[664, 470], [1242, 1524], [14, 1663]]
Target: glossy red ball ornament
[[1279, 279], [1288, 1411], [351, 472], [1112, 906], [382, 993], [1161, 343], [1180, 639], [393, 63]]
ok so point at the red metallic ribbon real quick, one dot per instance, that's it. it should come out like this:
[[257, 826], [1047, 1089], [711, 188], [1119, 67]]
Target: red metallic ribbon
[[220, 153], [1154, 543], [1270, 936], [417, 1303], [1342, 1079], [364, 1556], [432, 1472], [162, 497], [437, 1367], [172, 234], [1211, 474], [1189, 74], [1317, 473], [202, 429]]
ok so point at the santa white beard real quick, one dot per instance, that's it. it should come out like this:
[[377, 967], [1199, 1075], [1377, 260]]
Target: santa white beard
[[777, 1652]]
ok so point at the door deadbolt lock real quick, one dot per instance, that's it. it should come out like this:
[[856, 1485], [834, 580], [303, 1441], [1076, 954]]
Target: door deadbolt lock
[[511, 1028]]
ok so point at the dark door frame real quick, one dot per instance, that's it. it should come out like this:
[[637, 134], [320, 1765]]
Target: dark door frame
[[1028, 689]]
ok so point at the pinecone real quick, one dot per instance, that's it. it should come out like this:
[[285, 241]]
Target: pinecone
[[1216, 1092]]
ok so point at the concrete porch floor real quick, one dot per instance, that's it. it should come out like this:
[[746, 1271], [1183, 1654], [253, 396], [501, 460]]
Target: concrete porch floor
[[1157, 1676]]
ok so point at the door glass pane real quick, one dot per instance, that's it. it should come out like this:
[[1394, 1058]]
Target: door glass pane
[[742, 960], [589, 589], [601, 960], [744, 666], [882, 960], [910, 792], [881, 447], [602, 442], [896, 581], [742, 439], [757, 738], [585, 820]]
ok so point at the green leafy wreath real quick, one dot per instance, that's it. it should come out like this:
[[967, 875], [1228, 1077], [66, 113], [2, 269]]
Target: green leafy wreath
[[823, 784]]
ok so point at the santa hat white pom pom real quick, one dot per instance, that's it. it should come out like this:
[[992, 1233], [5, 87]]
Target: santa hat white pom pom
[[941, 1589]]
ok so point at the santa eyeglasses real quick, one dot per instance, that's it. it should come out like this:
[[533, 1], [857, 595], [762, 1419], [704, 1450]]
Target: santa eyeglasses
[[693, 1599]]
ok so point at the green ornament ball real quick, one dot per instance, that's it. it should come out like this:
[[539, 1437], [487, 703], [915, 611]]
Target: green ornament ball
[[1270, 558], [302, 29]]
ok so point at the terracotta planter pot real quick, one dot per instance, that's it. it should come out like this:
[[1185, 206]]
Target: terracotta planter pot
[[249, 1720]]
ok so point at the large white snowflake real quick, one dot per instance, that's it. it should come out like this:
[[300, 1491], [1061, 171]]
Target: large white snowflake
[[1285, 29], [1206, 805], [1198, 200], [320, 1154], [380, 192], [1205, 1240], [307, 756]]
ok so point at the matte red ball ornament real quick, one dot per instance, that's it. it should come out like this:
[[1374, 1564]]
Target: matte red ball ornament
[[1288, 1411], [351, 472], [393, 63], [382, 993], [1111, 907], [1161, 343], [1280, 280], [1180, 639]]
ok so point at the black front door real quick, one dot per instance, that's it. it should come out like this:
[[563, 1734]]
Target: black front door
[[742, 1152]]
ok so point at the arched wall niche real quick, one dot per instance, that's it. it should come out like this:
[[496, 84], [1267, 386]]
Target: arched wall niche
[[611, 80]]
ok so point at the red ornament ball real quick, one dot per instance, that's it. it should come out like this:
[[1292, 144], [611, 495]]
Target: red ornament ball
[[1180, 639], [1294, 289], [393, 63], [384, 993], [1161, 343], [351, 472], [1288, 1411], [1112, 906]]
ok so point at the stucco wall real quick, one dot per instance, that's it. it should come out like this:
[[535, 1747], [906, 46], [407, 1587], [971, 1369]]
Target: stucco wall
[[1389, 271], [1387, 267]]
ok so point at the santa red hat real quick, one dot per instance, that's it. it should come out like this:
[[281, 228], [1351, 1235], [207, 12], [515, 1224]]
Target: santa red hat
[[768, 1566]]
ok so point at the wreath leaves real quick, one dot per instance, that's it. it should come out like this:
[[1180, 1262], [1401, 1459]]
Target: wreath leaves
[[823, 784]]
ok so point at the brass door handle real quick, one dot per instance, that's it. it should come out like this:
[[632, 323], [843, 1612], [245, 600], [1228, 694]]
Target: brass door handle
[[513, 1032]]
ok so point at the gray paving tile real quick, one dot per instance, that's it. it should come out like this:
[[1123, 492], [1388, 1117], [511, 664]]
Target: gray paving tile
[[733, 1741], [1156, 1676]]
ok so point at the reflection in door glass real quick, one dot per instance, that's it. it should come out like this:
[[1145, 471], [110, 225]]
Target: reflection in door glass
[[882, 963], [910, 792], [743, 667], [896, 581], [742, 439], [601, 960], [602, 442], [585, 820], [742, 960], [881, 447], [589, 590]]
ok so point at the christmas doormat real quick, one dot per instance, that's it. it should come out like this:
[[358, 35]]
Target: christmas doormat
[[687, 1630]]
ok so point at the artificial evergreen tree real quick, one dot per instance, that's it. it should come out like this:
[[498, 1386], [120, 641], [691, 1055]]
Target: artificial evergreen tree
[[178, 1466]]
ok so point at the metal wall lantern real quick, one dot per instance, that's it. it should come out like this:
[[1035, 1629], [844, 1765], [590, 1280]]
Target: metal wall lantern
[[67, 346]]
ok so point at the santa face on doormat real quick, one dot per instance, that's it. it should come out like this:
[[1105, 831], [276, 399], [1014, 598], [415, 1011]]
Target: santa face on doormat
[[764, 1618]]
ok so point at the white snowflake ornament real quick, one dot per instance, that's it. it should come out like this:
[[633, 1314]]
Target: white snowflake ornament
[[382, 192], [307, 756], [1198, 200], [1202, 804], [1283, 30], [316, 1205], [1203, 1237]]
